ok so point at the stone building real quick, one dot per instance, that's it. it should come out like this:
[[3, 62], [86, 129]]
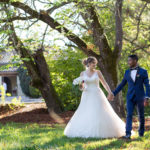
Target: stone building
[[10, 75]]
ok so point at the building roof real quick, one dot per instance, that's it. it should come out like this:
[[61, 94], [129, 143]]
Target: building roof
[[5, 59], [6, 56]]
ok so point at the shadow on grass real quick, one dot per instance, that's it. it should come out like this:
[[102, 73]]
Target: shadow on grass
[[113, 143], [33, 132], [81, 144]]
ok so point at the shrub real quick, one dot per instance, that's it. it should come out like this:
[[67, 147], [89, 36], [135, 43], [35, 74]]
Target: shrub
[[25, 80], [65, 65]]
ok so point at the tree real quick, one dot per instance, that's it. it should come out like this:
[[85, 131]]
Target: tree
[[37, 69], [100, 41], [39, 72], [97, 43]]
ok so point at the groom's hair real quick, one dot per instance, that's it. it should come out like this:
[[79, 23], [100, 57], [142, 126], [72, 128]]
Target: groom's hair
[[135, 57]]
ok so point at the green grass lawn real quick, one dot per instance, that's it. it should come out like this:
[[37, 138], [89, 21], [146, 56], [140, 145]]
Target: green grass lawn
[[15, 136]]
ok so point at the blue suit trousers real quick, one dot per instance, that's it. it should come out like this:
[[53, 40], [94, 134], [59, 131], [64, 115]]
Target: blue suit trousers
[[131, 103]]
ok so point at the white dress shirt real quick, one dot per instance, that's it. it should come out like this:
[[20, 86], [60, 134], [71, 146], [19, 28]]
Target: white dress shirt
[[133, 74]]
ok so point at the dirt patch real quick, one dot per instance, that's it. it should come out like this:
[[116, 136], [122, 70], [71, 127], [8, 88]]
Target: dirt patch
[[37, 113], [31, 113], [7, 109]]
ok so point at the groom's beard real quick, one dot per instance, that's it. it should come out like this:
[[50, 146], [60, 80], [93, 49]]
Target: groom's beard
[[134, 67]]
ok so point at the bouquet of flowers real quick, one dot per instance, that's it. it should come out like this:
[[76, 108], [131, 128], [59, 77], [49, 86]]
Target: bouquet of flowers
[[78, 81]]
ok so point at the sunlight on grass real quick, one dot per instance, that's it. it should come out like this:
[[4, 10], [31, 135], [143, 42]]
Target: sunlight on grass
[[15, 136]]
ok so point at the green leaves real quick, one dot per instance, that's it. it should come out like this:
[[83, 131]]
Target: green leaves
[[16, 1], [65, 65]]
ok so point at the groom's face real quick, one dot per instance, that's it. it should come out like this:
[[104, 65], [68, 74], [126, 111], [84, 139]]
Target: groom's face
[[132, 62]]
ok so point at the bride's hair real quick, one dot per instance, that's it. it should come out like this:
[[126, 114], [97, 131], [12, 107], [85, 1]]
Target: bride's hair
[[88, 60]]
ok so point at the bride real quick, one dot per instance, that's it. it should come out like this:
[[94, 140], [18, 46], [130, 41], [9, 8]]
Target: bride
[[94, 117]]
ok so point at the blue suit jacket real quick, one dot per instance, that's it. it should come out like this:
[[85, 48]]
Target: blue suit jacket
[[135, 88]]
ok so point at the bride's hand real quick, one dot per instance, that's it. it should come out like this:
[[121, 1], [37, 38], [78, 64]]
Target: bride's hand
[[81, 86], [110, 96]]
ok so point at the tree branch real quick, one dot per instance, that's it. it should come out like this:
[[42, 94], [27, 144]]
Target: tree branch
[[24, 53], [44, 37], [15, 18], [148, 1], [99, 37], [119, 31], [138, 47], [52, 9], [81, 25], [139, 20], [43, 16], [141, 48]]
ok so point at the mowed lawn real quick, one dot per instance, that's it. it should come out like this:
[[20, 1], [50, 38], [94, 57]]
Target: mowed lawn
[[17, 136]]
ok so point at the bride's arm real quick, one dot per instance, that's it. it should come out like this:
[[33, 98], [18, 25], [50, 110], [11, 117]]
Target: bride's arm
[[81, 74], [81, 86], [104, 83]]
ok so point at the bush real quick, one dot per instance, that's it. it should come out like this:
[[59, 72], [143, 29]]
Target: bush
[[65, 65], [25, 80], [35, 93]]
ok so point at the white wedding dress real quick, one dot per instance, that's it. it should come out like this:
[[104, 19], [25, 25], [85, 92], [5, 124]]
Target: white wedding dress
[[94, 117]]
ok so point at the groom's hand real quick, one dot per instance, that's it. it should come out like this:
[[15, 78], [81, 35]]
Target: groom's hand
[[146, 102]]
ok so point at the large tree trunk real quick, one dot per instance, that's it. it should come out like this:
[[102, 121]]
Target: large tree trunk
[[109, 70], [47, 90], [39, 72]]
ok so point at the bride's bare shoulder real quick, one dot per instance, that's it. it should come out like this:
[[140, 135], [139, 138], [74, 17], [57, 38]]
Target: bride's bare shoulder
[[98, 71], [81, 74]]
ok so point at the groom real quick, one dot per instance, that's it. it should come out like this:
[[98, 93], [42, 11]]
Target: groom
[[136, 77]]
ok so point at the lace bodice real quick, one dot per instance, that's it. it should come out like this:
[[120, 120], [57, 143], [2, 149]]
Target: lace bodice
[[92, 81]]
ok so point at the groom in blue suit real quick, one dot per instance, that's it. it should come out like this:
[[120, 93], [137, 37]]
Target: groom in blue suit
[[136, 77]]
